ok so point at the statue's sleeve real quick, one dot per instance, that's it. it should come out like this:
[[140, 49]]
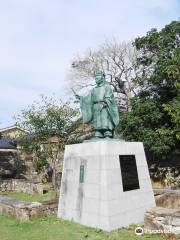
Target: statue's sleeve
[[111, 105], [86, 108]]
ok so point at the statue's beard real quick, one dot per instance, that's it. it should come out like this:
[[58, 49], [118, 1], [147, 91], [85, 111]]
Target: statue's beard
[[99, 83]]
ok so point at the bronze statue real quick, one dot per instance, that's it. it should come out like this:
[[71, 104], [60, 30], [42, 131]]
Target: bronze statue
[[99, 108]]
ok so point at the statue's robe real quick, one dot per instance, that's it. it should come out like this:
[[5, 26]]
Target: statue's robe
[[99, 107]]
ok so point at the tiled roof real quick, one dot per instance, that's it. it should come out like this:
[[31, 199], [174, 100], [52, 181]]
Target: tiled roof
[[4, 144], [14, 127]]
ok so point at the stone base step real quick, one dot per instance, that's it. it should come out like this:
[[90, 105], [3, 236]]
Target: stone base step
[[24, 211], [163, 219], [21, 210]]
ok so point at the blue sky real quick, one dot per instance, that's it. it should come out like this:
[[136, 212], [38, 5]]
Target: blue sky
[[39, 38]]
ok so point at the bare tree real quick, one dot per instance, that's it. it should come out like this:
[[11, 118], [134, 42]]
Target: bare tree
[[119, 63]]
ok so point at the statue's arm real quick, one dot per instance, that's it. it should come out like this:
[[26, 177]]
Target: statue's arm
[[112, 106], [108, 95], [78, 97]]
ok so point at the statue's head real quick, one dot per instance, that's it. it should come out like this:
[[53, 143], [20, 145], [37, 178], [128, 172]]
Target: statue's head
[[99, 77]]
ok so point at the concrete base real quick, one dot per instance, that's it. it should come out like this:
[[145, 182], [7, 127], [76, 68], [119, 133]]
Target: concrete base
[[98, 199]]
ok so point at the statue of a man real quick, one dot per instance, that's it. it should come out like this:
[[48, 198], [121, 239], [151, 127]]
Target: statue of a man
[[99, 108]]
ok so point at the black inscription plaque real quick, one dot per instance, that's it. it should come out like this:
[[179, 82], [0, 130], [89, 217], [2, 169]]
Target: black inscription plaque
[[129, 172]]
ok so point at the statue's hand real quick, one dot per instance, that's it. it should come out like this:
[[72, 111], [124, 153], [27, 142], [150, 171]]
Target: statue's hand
[[77, 97], [104, 104]]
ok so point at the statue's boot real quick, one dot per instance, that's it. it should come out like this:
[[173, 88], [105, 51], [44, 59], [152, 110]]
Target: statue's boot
[[108, 134], [98, 134]]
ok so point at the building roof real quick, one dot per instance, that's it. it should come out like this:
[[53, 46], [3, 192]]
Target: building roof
[[12, 128], [4, 144]]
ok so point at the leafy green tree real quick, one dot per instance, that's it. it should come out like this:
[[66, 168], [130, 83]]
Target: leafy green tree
[[173, 110], [154, 118], [143, 123], [45, 119]]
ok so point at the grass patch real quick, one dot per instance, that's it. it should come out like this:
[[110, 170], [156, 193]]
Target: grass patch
[[30, 198], [52, 228]]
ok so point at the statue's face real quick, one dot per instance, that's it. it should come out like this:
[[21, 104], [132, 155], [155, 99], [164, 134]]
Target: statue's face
[[99, 79]]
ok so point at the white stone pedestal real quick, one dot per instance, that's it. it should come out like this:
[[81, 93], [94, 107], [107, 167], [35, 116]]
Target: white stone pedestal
[[97, 199]]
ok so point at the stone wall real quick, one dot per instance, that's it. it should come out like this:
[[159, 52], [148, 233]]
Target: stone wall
[[21, 210], [164, 219], [168, 200], [24, 211], [50, 206], [10, 164], [20, 185], [166, 215]]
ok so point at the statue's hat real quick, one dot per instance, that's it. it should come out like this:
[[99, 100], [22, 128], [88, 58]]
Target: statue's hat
[[100, 73]]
